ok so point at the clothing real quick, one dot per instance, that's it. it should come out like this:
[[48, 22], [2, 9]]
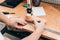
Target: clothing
[[1, 36]]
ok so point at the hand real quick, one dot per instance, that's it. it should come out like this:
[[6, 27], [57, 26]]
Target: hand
[[30, 18], [16, 23], [39, 23]]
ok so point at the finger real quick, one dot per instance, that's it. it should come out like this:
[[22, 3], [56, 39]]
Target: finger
[[19, 27], [20, 22], [42, 22], [24, 22], [35, 22], [35, 18]]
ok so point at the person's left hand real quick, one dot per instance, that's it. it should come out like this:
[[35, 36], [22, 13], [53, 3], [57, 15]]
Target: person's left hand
[[30, 18], [17, 23]]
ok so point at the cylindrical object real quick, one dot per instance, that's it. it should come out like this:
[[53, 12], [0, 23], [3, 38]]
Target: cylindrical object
[[29, 7], [29, 10], [52, 1], [36, 2]]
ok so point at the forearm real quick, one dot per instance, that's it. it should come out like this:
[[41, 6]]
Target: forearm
[[3, 18], [35, 35], [6, 38]]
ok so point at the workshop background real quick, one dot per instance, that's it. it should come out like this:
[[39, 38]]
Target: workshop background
[[2, 25]]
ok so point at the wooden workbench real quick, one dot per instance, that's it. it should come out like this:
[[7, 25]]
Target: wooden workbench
[[52, 17]]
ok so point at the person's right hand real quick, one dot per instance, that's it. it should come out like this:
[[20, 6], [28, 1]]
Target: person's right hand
[[35, 19], [39, 23]]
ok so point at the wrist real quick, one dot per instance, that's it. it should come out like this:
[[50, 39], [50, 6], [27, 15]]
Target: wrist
[[7, 22], [39, 29]]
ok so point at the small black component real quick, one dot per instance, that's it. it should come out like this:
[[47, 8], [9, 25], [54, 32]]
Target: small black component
[[29, 10], [5, 12]]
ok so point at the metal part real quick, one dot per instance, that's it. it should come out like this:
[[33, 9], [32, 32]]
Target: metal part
[[29, 7], [53, 31]]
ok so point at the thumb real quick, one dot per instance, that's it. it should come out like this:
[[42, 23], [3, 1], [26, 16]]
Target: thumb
[[35, 22]]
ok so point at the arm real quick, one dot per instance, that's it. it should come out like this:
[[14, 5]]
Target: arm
[[12, 22], [6, 38], [36, 34], [3, 18]]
